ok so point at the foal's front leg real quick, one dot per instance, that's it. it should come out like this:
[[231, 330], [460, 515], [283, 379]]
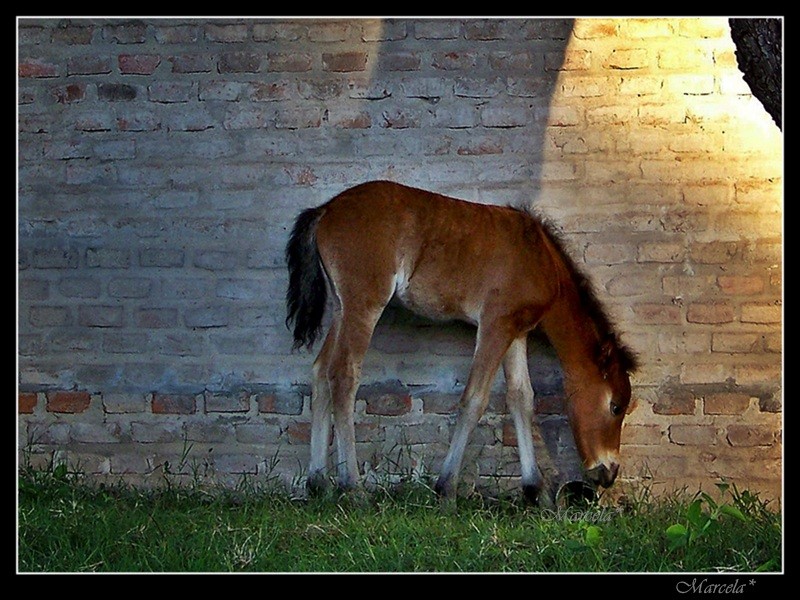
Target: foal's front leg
[[519, 399], [491, 345]]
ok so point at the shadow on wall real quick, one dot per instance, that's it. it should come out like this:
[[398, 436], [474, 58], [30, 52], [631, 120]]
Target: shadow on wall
[[483, 108], [488, 107], [157, 187]]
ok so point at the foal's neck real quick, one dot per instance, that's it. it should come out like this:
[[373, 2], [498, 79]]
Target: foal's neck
[[575, 338]]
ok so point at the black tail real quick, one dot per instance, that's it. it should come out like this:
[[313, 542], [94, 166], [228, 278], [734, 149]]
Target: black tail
[[307, 293]]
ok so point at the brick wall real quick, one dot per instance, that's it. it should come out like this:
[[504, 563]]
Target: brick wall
[[162, 161]]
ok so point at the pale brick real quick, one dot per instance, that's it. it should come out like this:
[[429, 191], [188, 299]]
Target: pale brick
[[237, 463], [209, 431], [761, 313], [227, 402], [758, 374], [437, 29], [95, 433], [737, 342], [693, 435], [628, 58], [647, 28], [662, 252], [225, 32], [124, 403], [662, 314], [640, 86], [101, 316], [641, 435], [705, 373], [154, 432]]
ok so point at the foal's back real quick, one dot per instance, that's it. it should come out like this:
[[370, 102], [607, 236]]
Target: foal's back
[[442, 257]]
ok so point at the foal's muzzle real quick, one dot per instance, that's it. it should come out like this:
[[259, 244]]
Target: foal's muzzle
[[603, 475]]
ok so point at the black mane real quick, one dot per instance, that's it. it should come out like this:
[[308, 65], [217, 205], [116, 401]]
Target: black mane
[[586, 292]]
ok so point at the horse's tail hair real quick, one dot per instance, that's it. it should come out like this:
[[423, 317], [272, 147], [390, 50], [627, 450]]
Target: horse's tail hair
[[307, 292]]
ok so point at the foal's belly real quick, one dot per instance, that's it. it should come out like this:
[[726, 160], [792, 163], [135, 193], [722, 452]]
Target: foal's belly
[[435, 298]]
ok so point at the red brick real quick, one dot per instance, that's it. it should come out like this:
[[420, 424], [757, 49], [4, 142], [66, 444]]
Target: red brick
[[299, 433], [725, 404], [750, 435], [594, 28], [173, 404], [68, 402], [26, 403], [740, 285], [36, 68], [74, 92], [509, 434], [655, 314], [389, 404], [674, 405], [285, 403], [138, 64], [344, 62], [480, 147], [710, 313]]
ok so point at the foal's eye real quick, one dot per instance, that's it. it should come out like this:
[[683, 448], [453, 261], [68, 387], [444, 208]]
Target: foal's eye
[[616, 409]]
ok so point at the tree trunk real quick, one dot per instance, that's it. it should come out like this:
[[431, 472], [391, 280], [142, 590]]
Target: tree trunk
[[758, 53]]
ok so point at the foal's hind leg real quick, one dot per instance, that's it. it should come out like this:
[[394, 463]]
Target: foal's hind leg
[[321, 413], [344, 373], [519, 399], [492, 342]]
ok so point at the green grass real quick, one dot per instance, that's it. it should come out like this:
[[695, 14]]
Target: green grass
[[67, 526]]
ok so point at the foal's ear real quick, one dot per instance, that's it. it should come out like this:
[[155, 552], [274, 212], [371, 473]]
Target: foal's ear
[[611, 352], [605, 353]]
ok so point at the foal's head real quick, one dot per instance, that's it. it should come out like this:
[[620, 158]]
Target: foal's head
[[597, 406]]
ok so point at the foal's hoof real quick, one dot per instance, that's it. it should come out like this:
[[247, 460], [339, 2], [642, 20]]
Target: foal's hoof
[[532, 493], [443, 487], [317, 485]]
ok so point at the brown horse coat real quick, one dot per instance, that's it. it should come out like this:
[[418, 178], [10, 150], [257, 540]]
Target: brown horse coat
[[496, 267]]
